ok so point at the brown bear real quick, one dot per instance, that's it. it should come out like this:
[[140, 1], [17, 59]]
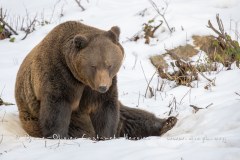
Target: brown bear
[[67, 86]]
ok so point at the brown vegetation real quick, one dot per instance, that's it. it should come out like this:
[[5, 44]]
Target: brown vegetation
[[221, 49], [183, 71]]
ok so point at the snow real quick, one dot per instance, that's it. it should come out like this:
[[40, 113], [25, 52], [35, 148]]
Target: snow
[[210, 134]]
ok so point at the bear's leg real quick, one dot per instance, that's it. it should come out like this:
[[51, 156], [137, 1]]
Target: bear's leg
[[136, 123], [54, 117], [30, 124], [168, 124], [105, 120], [81, 126], [28, 110]]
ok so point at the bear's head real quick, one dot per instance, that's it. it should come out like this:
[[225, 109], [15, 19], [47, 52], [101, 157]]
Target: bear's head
[[95, 60]]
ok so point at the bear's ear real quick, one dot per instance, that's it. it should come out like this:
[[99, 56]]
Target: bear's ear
[[80, 41], [114, 33], [116, 30]]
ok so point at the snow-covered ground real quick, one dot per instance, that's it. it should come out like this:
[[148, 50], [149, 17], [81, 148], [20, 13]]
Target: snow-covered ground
[[210, 134]]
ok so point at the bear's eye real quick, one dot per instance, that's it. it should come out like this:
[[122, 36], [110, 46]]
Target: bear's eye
[[93, 67], [109, 66]]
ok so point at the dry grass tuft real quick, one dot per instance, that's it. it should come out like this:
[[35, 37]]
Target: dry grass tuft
[[183, 71], [159, 62], [211, 46], [183, 52]]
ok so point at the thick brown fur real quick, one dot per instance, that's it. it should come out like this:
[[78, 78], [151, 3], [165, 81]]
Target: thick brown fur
[[67, 85]]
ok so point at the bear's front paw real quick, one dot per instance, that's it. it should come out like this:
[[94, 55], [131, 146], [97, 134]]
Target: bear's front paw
[[168, 124]]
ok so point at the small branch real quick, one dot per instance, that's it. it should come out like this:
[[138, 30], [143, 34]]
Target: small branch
[[1, 140], [223, 37], [24, 145], [135, 61], [143, 72], [209, 105], [1, 102], [80, 5], [5, 103], [191, 66], [138, 99], [184, 96], [215, 30], [5, 23], [237, 93], [53, 11], [155, 28], [142, 13], [170, 111], [161, 14], [45, 143], [2, 120], [196, 109], [210, 80], [173, 106], [2, 91], [148, 86], [30, 27], [162, 85]]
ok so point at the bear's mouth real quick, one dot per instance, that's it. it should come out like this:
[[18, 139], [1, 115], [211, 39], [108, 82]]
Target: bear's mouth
[[100, 89], [103, 89]]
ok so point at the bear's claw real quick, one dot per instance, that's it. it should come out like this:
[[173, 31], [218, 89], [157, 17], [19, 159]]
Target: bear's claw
[[168, 124]]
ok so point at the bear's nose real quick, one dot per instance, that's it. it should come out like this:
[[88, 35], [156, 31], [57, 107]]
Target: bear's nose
[[102, 89]]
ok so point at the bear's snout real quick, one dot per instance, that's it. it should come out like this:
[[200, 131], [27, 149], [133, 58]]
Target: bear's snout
[[102, 89], [102, 81]]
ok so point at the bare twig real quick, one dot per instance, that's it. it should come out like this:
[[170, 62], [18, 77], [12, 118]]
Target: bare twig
[[61, 13], [162, 14], [209, 105], [148, 86], [24, 145], [45, 143], [135, 37], [143, 72], [237, 35], [190, 66], [173, 105], [184, 96], [1, 102], [222, 34], [30, 27], [215, 30], [135, 61], [2, 17], [80, 5], [5, 103], [170, 112], [149, 31], [8, 104], [2, 120], [155, 28], [162, 86], [1, 139], [237, 93], [142, 12], [138, 99], [53, 11], [196, 109]]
